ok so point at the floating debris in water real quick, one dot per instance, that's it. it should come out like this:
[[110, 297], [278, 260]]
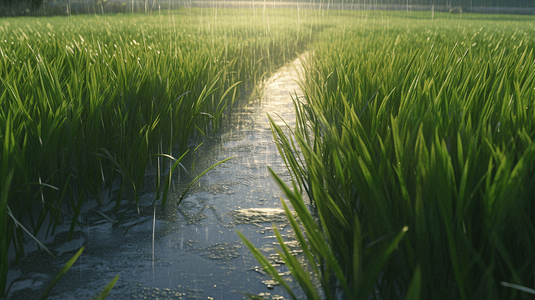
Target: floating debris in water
[[260, 271], [221, 251], [258, 215], [156, 293], [270, 284], [267, 296]]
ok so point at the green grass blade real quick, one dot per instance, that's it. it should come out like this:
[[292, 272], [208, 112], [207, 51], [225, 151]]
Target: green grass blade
[[415, 287], [106, 290], [266, 265], [18, 224], [518, 287], [61, 273], [198, 177]]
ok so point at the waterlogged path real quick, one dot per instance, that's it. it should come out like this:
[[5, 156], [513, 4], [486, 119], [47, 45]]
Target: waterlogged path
[[191, 251]]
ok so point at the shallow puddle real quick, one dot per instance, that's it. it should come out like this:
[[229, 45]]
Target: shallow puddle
[[191, 251]]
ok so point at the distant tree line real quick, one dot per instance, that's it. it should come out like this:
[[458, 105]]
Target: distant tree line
[[31, 3], [35, 4]]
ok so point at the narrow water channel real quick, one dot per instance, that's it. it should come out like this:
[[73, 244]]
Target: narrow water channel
[[191, 251]]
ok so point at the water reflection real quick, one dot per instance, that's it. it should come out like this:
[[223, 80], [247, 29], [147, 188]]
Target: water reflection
[[191, 251]]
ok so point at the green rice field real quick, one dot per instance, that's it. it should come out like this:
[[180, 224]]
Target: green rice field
[[413, 144], [93, 101]]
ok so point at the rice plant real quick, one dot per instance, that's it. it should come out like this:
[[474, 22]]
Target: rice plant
[[414, 144], [88, 103]]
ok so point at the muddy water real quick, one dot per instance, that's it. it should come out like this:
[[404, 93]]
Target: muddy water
[[191, 251]]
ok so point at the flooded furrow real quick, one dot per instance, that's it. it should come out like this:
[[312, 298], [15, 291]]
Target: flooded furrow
[[189, 251]]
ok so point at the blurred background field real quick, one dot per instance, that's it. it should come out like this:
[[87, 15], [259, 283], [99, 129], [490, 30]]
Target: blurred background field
[[68, 7]]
